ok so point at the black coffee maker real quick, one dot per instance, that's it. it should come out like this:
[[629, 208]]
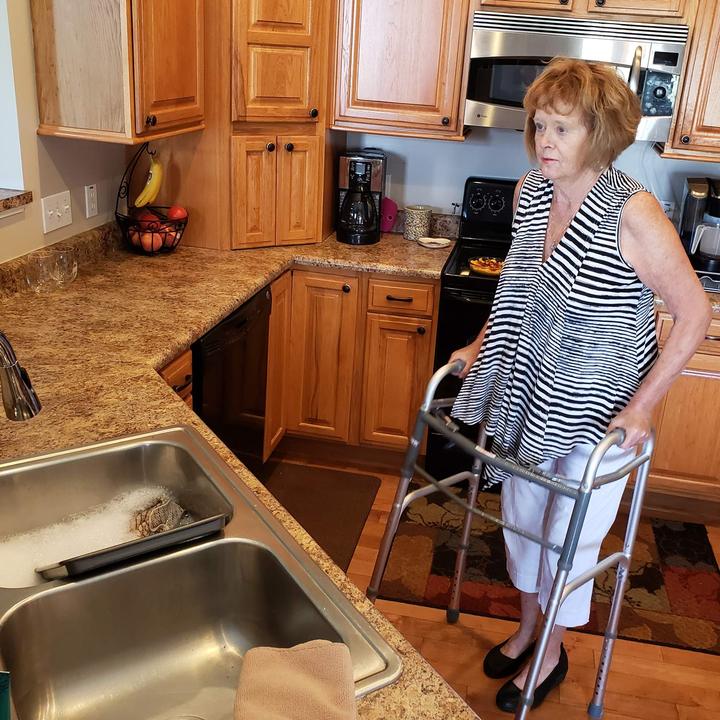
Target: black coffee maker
[[359, 217]]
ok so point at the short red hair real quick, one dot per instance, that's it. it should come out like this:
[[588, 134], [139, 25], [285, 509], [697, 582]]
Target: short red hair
[[611, 111]]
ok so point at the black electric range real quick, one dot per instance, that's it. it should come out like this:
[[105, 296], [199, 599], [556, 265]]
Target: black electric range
[[466, 297]]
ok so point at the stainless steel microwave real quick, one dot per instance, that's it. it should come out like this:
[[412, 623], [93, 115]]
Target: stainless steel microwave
[[508, 51]]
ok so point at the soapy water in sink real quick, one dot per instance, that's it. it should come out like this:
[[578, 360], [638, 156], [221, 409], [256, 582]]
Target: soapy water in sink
[[98, 528]]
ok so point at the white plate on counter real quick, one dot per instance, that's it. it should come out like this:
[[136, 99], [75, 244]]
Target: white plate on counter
[[434, 243]]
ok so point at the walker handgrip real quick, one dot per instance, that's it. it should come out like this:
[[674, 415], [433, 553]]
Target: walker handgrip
[[458, 366], [453, 368], [617, 435]]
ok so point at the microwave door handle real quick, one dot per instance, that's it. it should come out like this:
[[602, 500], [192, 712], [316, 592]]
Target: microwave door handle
[[634, 79]]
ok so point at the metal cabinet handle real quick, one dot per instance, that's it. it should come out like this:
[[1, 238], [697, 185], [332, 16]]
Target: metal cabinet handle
[[151, 120], [446, 121], [289, 147], [394, 298], [712, 338], [599, 3], [685, 139], [564, 2], [270, 147], [346, 288], [314, 113], [421, 331], [184, 386]]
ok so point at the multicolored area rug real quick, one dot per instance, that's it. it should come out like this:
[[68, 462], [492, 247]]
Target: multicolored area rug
[[673, 598]]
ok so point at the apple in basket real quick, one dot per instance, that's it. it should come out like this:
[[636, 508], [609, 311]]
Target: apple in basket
[[169, 234], [134, 237], [151, 241], [147, 220]]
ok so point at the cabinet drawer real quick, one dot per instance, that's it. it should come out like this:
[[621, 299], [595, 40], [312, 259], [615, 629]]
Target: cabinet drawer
[[709, 346], [178, 374], [401, 298]]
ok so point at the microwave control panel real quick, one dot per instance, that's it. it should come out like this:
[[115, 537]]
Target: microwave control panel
[[658, 95]]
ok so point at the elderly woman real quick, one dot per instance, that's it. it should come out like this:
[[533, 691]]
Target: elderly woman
[[569, 351]]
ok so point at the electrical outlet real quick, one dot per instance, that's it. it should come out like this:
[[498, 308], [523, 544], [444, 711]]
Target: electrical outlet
[[668, 208], [91, 209], [57, 211]]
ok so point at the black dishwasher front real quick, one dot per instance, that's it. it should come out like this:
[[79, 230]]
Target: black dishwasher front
[[230, 377]]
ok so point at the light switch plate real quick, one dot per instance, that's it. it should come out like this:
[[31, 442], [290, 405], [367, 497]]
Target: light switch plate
[[56, 211]]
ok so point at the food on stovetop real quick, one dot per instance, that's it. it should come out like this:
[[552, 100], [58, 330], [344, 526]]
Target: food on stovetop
[[486, 265]]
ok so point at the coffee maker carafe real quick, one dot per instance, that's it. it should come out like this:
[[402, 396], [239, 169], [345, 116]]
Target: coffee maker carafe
[[359, 217], [705, 247]]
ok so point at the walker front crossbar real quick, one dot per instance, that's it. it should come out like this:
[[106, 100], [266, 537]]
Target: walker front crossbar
[[431, 414]]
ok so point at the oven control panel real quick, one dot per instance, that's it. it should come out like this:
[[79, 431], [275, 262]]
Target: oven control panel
[[487, 206]]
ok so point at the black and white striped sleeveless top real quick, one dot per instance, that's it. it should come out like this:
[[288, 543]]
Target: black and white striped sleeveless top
[[570, 339]]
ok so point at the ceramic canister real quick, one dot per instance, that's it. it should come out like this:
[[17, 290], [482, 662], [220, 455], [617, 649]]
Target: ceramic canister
[[417, 221]]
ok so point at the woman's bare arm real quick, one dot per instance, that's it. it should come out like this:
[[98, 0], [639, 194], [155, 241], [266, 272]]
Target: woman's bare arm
[[648, 241]]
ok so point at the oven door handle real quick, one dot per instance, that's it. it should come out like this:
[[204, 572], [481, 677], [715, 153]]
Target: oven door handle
[[634, 78], [469, 296]]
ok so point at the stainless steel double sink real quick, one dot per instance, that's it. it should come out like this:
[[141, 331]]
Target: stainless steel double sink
[[162, 638]]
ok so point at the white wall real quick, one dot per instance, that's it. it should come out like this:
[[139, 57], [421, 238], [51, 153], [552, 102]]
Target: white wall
[[50, 165], [433, 172], [10, 163]]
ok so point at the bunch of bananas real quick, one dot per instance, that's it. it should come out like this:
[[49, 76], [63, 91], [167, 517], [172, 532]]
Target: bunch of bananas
[[152, 184]]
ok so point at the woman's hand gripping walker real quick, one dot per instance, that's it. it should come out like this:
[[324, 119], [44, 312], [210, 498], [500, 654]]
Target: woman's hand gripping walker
[[431, 414]]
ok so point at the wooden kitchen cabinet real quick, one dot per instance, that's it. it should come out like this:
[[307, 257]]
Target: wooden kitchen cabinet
[[122, 71], [400, 66], [686, 461], [275, 190], [278, 363], [178, 375], [322, 351], [697, 125], [278, 50], [642, 9], [398, 364]]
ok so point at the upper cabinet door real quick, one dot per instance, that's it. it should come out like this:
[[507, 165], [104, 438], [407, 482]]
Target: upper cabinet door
[[297, 189], [400, 63], [253, 190], [698, 125], [276, 63], [168, 63]]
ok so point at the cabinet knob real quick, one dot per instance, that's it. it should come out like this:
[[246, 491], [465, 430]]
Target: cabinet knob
[[314, 113], [151, 120], [685, 139], [421, 331], [270, 147], [289, 147], [599, 3], [446, 121], [346, 288], [564, 2]]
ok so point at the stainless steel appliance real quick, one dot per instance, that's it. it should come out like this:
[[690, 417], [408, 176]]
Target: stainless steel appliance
[[466, 298], [230, 378], [508, 51], [363, 173], [695, 196]]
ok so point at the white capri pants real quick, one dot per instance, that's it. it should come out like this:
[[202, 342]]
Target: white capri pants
[[534, 508]]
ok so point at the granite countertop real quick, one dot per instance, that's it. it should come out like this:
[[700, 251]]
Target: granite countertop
[[92, 350], [10, 199]]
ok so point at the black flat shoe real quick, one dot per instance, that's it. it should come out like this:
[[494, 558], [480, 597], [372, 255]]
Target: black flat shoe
[[508, 697], [497, 665]]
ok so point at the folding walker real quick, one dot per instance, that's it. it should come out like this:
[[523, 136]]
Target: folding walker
[[431, 414]]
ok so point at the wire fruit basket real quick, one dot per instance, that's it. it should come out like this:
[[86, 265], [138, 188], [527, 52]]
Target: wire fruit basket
[[151, 229]]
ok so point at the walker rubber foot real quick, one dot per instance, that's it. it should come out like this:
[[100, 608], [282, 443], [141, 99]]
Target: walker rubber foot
[[452, 616], [595, 711]]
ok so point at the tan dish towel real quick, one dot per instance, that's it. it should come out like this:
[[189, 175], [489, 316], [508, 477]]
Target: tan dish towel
[[312, 681]]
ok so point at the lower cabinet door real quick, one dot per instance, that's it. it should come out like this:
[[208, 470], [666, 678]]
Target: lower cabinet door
[[278, 361], [322, 354], [398, 364], [687, 450]]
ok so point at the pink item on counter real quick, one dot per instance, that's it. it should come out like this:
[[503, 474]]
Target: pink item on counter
[[388, 214]]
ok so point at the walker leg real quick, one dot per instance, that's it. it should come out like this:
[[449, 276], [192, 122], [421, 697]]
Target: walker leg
[[595, 708], [453, 609], [406, 476]]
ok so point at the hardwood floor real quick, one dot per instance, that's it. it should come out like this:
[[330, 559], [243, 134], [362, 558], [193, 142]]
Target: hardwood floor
[[647, 682]]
